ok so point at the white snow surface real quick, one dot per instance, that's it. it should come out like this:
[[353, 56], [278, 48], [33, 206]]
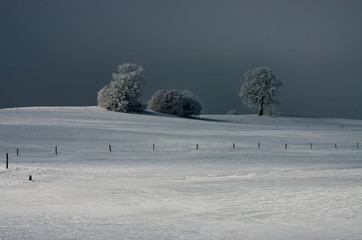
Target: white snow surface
[[177, 191]]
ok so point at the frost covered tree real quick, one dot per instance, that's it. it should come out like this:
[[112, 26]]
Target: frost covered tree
[[175, 102], [260, 89], [123, 92]]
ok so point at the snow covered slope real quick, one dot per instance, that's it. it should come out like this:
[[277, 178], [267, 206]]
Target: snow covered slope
[[192, 185]]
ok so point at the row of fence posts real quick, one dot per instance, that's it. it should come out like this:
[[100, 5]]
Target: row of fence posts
[[153, 149], [259, 146], [61, 108], [238, 122]]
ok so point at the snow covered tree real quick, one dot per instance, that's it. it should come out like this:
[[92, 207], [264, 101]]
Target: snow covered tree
[[123, 92], [175, 102], [260, 89]]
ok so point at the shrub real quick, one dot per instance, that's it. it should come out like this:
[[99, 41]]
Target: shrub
[[232, 112], [175, 102]]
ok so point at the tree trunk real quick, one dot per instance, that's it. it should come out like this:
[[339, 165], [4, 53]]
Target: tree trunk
[[261, 111]]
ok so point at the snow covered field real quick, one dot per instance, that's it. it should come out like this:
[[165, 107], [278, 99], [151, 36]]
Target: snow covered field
[[177, 191]]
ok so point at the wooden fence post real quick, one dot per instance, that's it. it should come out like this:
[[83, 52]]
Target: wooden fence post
[[7, 160], [233, 145], [110, 148], [17, 152], [56, 150], [357, 145], [335, 145], [153, 147], [258, 145], [286, 146], [311, 146], [197, 146]]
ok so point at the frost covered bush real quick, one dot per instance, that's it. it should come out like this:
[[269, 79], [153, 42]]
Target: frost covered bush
[[232, 112], [260, 88], [123, 92], [175, 102]]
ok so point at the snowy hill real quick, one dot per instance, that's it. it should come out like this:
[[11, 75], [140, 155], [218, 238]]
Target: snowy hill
[[173, 178]]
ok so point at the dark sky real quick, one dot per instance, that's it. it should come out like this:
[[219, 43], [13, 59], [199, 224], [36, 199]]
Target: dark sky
[[62, 52]]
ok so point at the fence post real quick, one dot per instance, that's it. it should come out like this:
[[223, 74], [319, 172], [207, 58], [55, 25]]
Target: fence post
[[335, 145], [17, 152], [153, 147], [110, 148], [56, 150], [7, 160], [357, 145], [258, 145], [311, 146], [233, 145], [286, 146], [197, 146], [30, 178]]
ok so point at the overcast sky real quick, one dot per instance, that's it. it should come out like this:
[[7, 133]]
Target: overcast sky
[[63, 52]]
